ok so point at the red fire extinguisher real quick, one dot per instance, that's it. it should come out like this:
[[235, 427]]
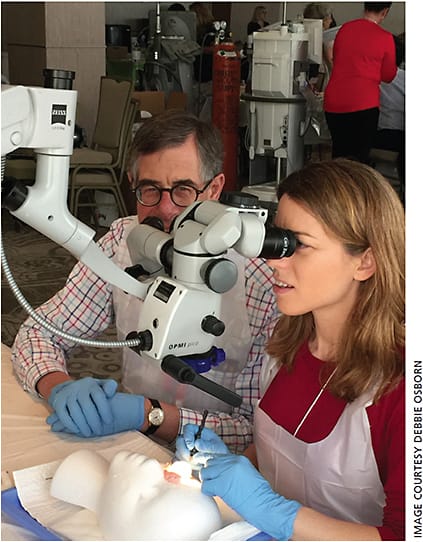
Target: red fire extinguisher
[[225, 112]]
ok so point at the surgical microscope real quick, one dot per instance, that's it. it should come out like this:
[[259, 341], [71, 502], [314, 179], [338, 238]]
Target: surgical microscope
[[180, 276]]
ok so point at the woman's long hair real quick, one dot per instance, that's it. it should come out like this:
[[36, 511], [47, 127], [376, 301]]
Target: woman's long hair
[[357, 205], [258, 11]]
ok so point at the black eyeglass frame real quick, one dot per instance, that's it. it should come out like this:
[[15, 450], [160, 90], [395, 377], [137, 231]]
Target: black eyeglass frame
[[170, 190]]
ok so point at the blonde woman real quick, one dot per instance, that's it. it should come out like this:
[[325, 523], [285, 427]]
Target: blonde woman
[[258, 20]]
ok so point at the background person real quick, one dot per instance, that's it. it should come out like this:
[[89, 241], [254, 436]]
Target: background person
[[178, 159], [329, 430], [363, 56], [315, 10], [329, 35], [203, 65], [258, 20], [176, 7], [323, 12], [390, 133]]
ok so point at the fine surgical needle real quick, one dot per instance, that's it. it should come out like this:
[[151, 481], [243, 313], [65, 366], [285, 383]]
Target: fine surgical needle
[[200, 430]]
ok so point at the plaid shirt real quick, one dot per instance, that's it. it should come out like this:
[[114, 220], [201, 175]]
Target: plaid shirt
[[84, 307]]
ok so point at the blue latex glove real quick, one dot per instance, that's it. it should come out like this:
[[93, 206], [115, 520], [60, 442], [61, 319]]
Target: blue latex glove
[[82, 405], [243, 488], [127, 412], [207, 446]]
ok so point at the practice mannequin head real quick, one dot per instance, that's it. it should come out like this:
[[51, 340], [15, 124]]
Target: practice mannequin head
[[132, 498]]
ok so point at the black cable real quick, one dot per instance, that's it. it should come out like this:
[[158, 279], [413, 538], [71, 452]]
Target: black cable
[[163, 66]]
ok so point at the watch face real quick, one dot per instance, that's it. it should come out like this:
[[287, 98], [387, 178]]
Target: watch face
[[156, 416]]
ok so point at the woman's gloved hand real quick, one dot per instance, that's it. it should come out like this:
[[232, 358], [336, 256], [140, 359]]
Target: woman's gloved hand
[[127, 413], [243, 488], [83, 405], [207, 446]]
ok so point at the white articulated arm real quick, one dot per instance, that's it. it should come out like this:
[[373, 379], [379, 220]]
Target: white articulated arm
[[44, 119]]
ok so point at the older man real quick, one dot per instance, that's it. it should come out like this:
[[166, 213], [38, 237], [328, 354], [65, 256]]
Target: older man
[[175, 160]]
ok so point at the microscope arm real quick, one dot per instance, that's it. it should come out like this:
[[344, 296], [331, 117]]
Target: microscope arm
[[182, 303], [181, 313], [43, 119]]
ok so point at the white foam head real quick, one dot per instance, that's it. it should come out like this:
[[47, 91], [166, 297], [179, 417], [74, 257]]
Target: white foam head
[[133, 500]]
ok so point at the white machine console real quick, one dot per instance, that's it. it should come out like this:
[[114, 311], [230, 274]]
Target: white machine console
[[280, 63]]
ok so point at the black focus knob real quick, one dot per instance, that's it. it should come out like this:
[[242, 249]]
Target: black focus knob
[[212, 325]]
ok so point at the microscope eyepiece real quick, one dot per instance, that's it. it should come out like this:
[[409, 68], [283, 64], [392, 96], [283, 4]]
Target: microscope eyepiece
[[59, 79], [278, 243]]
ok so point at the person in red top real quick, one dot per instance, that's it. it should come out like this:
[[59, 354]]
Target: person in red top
[[329, 430], [363, 56]]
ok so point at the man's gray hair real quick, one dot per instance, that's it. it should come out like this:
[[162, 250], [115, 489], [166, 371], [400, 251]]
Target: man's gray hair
[[171, 129]]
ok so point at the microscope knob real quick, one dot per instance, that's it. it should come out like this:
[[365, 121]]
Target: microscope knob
[[145, 339], [212, 325], [220, 275]]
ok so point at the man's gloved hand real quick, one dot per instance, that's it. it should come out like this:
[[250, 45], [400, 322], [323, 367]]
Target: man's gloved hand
[[207, 446], [83, 405], [243, 488], [127, 412]]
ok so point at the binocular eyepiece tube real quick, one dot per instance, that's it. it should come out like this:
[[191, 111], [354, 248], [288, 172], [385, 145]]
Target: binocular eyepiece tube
[[278, 243]]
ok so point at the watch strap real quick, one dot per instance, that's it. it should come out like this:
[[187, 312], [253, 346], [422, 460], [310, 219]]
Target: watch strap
[[152, 428], [154, 403]]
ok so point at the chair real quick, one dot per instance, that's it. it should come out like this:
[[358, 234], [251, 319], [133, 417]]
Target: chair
[[152, 101], [177, 100], [102, 167]]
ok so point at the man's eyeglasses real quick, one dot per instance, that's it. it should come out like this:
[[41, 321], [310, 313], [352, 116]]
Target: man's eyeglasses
[[182, 195]]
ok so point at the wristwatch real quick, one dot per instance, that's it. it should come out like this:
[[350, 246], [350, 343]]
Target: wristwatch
[[155, 417]]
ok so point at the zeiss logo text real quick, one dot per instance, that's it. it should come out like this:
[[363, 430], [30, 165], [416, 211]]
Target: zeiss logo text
[[58, 114]]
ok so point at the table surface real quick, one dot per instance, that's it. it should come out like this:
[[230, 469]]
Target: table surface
[[26, 439]]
